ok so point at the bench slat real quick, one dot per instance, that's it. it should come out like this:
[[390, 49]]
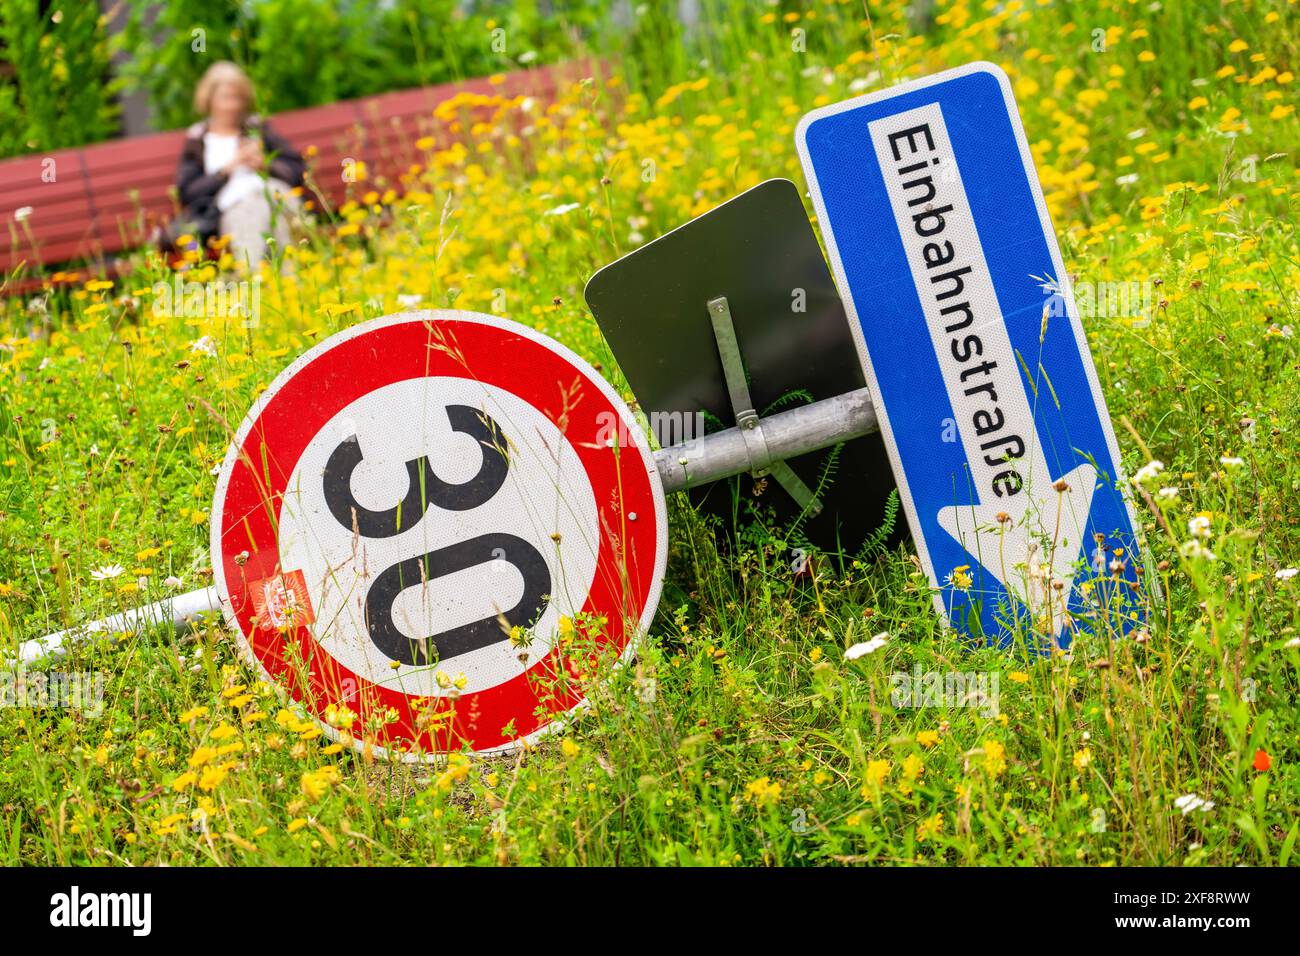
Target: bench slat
[[106, 197]]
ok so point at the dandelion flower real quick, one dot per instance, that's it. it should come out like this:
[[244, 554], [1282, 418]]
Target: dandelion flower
[[763, 792], [877, 771]]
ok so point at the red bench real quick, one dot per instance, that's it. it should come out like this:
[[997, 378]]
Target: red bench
[[89, 203]]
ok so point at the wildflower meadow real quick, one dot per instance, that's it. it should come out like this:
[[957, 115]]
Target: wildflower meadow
[[778, 712]]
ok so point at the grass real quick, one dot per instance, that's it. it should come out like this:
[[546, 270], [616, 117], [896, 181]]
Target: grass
[[742, 734]]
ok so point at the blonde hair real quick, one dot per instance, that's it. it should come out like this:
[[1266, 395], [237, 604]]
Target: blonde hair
[[223, 71]]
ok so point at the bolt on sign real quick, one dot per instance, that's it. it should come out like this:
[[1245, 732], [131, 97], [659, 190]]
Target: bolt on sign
[[977, 362], [432, 527]]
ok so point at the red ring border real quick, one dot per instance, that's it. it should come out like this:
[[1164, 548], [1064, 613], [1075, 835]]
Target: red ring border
[[372, 355]]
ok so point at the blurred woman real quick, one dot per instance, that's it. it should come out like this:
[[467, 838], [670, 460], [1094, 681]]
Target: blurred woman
[[236, 174]]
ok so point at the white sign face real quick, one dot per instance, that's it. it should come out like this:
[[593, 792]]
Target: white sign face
[[978, 365], [435, 521], [545, 496]]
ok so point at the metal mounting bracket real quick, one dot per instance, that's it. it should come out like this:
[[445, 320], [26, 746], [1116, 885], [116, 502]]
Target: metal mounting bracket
[[761, 460]]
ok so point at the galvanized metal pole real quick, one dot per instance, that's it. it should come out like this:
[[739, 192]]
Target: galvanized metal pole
[[787, 434], [180, 610]]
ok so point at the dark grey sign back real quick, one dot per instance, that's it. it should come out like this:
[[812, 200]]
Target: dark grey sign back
[[759, 251]]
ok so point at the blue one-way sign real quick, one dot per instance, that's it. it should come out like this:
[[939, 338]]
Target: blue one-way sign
[[983, 383]]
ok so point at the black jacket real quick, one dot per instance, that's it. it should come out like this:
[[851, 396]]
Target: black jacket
[[198, 189]]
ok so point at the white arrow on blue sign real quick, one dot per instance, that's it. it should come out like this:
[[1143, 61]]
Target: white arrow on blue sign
[[987, 396]]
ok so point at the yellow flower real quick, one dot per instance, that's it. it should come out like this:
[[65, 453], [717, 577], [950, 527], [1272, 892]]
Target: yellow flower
[[458, 768], [569, 747], [296, 824], [927, 738], [763, 792], [994, 757], [317, 783], [928, 828], [213, 776], [185, 780], [1018, 677], [877, 771], [1082, 758]]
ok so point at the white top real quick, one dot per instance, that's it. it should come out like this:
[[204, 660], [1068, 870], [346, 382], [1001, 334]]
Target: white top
[[218, 150]]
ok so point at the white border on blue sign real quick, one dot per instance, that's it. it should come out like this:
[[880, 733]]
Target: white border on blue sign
[[850, 308]]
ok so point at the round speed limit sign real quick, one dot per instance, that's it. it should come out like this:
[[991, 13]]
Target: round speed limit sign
[[432, 526]]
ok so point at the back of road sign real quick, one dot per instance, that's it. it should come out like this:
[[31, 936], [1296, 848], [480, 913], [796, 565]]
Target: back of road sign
[[987, 396], [759, 251]]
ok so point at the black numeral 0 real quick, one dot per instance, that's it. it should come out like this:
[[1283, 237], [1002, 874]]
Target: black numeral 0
[[426, 488]]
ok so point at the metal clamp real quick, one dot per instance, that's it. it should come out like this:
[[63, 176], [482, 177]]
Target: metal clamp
[[761, 460]]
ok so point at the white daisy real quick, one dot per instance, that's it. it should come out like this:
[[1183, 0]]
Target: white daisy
[[863, 648], [1190, 801], [1148, 472], [204, 345]]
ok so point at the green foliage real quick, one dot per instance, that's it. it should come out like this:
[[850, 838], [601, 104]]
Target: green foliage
[[167, 47], [744, 732], [58, 93], [308, 52]]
